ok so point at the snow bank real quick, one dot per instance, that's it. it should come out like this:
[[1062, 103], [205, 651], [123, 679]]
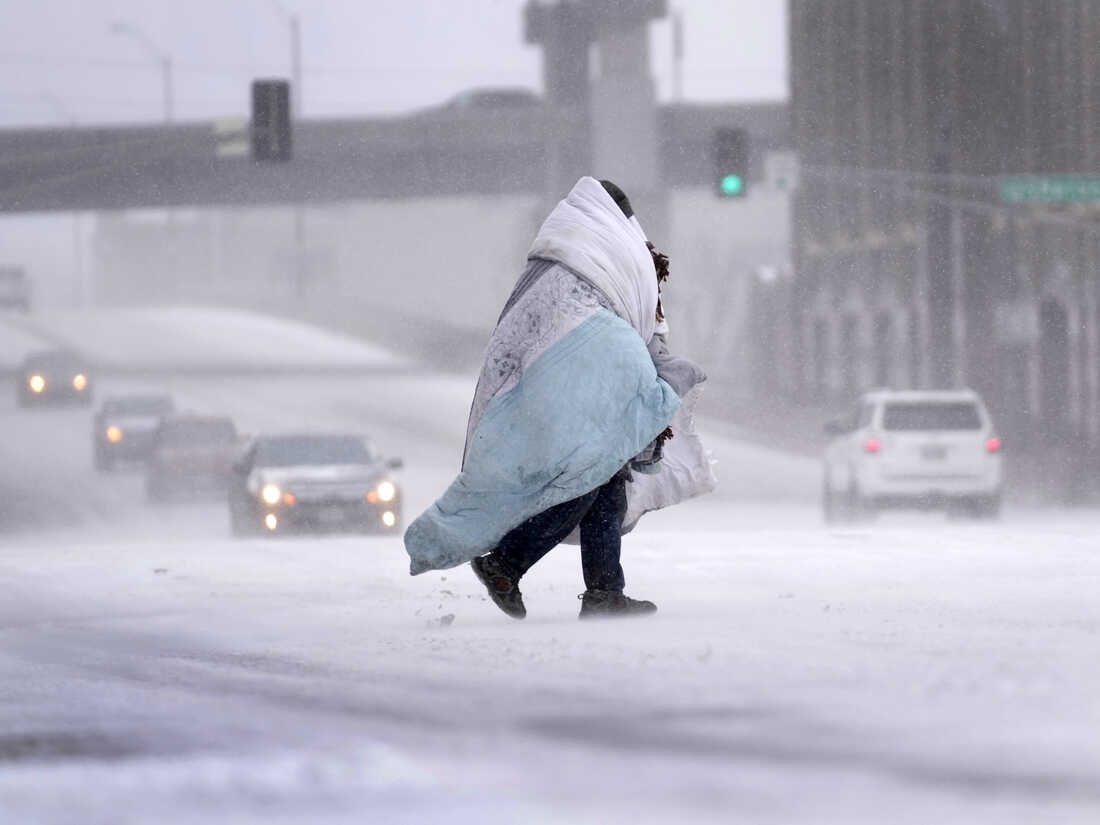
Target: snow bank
[[16, 343], [199, 339]]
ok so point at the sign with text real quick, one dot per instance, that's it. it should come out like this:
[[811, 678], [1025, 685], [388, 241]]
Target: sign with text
[[1049, 188]]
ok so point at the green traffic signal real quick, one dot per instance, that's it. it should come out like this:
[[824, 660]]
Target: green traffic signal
[[731, 185]]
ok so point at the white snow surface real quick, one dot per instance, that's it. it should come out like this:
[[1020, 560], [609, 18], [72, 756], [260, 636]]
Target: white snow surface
[[201, 338], [16, 341], [914, 670]]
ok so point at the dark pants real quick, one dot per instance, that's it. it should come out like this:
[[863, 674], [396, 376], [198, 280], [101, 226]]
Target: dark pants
[[600, 516]]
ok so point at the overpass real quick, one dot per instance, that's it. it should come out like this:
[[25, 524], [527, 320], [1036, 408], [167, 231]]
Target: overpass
[[441, 151]]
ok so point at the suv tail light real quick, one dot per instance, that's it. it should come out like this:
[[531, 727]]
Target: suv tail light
[[872, 445], [993, 444]]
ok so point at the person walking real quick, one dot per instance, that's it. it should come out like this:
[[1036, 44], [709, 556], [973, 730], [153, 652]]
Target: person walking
[[568, 428]]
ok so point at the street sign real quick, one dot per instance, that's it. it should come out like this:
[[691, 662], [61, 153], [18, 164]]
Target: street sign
[[1049, 188], [781, 170]]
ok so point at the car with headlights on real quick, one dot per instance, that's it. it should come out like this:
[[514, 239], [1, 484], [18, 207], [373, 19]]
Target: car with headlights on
[[54, 377], [313, 483], [124, 426], [913, 449], [191, 454]]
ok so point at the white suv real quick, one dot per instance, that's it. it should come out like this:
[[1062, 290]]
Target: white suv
[[913, 449]]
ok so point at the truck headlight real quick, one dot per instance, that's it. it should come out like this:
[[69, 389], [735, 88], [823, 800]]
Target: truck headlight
[[37, 383], [80, 381], [271, 494], [114, 434], [386, 491]]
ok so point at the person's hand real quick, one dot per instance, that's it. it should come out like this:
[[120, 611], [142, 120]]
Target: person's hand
[[660, 262]]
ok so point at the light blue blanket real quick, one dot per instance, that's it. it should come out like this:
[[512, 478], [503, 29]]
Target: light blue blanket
[[578, 413]]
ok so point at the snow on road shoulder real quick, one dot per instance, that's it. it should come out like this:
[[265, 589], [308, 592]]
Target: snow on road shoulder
[[17, 342], [199, 338], [919, 670]]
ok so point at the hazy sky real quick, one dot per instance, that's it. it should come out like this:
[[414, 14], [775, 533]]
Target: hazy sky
[[59, 61]]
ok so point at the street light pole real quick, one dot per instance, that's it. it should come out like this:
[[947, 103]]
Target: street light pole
[[166, 79], [159, 55], [677, 56], [80, 289], [299, 218], [296, 65], [295, 57], [58, 106]]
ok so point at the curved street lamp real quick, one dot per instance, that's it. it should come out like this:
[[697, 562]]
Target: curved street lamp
[[55, 103], [158, 55]]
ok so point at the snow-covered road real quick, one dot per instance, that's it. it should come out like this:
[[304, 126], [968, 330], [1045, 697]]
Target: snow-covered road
[[915, 670]]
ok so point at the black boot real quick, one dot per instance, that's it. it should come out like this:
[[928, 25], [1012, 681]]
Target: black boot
[[502, 584], [597, 604]]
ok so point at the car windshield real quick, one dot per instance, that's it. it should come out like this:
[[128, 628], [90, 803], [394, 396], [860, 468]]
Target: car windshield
[[138, 406], [60, 362], [932, 415], [289, 452], [198, 433]]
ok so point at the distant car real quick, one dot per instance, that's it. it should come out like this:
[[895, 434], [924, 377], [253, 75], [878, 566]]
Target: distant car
[[913, 449], [494, 98], [478, 103], [54, 377], [15, 288], [293, 483], [191, 454], [124, 427]]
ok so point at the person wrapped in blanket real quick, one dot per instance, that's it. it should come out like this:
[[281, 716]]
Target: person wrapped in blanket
[[582, 420]]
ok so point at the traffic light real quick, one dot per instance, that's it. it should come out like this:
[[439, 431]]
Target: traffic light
[[731, 162], [271, 120]]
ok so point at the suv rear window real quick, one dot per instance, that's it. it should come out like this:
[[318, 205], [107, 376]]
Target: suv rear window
[[932, 415]]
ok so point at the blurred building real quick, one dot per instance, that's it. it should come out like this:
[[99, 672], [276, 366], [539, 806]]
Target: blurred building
[[912, 269]]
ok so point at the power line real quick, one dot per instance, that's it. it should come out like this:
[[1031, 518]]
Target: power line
[[848, 177], [127, 102]]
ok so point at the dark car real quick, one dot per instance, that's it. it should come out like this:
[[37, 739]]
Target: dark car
[[54, 377], [480, 103], [191, 454], [124, 427], [285, 483], [494, 99]]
